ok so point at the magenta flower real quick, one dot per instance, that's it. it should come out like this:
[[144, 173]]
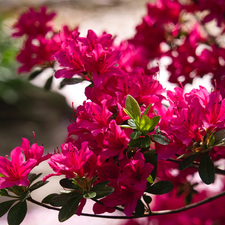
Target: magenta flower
[[92, 39], [136, 171], [124, 194], [116, 140], [71, 161], [15, 172], [33, 151], [33, 23], [70, 59]]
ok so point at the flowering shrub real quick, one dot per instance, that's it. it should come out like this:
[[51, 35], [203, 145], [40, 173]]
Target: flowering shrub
[[132, 139]]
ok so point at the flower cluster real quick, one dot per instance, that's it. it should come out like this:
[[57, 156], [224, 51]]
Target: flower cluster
[[131, 139], [182, 32]]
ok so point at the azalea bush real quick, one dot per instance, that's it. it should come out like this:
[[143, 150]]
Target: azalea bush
[[132, 146]]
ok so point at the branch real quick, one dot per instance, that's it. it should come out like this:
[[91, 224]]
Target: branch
[[156, 213]]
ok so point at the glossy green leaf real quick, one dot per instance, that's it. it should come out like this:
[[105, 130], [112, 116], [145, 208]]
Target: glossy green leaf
[[145, 142], [147, 199], [35, 74], [5, 206], [206, 169], [187, 162], [133, 108], [140, 208], [219, 138], [89, 195], [17, 213], [151, 157], [150, 179], [48, 198], [70, 81], [48, 83], [188, 198], [160, 139], [32, 177], [68, 183], [135, 135], [3, 192], [102, 189], [25, 195], [69, 208], [132, 124], [134, 143], [161, 187], [145, 124], [61, 199], [147, 110], [37, 185]]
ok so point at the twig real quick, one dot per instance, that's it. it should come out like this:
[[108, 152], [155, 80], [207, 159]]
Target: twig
[[156, 213]]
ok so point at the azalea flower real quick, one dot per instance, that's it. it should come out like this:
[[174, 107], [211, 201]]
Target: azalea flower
[[15, 172]]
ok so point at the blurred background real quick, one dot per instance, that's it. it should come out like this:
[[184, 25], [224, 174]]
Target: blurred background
[[25, 107]]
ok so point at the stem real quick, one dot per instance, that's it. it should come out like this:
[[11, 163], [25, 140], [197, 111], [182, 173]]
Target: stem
[[156, 213], [195, 165]]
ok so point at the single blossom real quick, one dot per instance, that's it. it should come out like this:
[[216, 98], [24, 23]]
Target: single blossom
[[15, 172]]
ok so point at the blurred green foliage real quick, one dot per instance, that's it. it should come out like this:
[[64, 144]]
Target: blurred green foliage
[[24, 107]]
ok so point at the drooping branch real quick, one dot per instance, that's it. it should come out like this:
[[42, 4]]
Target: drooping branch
[[153, 213]]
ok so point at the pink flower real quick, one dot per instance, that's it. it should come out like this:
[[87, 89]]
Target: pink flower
[[115, 141], [33, 151], [92, 118], [70, 59], [124, 194], [15, 172], [92, 39], [33, 23], [71, 161], [135, 170]]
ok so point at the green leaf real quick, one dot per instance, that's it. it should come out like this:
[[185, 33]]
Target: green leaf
[[220, 138], [132, 124], [134, 143], [17, 213], [34, 74], [147, 110], [102, 189], [48, 83], [206, 169], [32, 177], [151, 157], [161, 139], [140, 208], [69, 208], [3, 192], [133, 108], [5, 206], [150, 179], [25, 195], [145, 124], [135, 135], [61, 199], [188, 198], [145, 142], [66, 81], [89, 195], [68, 183], [187, 162], [147, 199], [37, 185], [160, 187], [48, 198]]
